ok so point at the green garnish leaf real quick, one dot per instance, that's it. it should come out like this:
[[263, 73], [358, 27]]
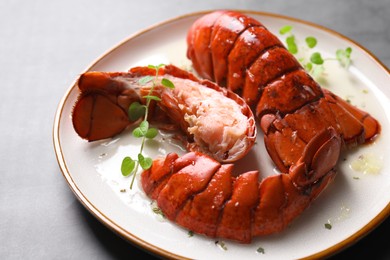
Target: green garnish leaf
[[316, 58], [167, 83], [141, 130], [190, 233], [344, 56], [291, 45], [137, 133], [308, 66], [285, 29], [311, 41], [152, 97], [127, 167], [145, 162], [328, 226], [160, 65], [151, 133], [144, 126], [145, 80], [260, 250], [158, 211], [156, 67], [136, 111]]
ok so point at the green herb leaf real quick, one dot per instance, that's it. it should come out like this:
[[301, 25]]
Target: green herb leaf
[[145, 162], [328, 226], [136, 111], [160, 66], [348, 52], [152, 97], [344, 56], [311, 41], [145, 80], [167, 83], [156, 67], [151, 133], [260, 250], [127, 166], [158, 211], [144, 126], [141, 130], [308, 66], [137, 133], [291, 45], [316, 58], [285, 29]]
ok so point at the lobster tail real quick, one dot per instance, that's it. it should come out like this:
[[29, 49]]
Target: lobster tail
[[203, 196]]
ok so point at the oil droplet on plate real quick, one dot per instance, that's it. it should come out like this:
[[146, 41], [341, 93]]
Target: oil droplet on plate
[[367, 164]]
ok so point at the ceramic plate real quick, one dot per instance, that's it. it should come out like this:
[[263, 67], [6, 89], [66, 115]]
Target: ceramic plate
[[353, 205]]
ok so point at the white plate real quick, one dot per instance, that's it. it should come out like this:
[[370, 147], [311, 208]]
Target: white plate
[[354, 204]]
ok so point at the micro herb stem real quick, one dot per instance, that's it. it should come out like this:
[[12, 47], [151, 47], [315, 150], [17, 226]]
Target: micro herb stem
[[135, 173], [315, 64], [145, 120], [135, 112], [149, 94]]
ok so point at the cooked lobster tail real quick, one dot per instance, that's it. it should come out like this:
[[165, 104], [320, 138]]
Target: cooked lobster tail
[[202, 195]]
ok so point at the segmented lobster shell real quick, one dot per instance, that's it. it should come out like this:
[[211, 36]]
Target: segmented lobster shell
[[200, 194]]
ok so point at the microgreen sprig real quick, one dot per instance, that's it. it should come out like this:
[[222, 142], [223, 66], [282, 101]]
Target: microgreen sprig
[[344, 56], [136, 111], [315, 63]]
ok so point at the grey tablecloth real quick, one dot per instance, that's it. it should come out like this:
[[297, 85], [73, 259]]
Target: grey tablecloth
[[44, 45]]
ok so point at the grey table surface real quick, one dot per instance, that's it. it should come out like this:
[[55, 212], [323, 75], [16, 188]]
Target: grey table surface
[[44, 45]]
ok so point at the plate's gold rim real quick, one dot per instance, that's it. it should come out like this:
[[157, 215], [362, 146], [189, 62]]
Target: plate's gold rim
[[150, 247]]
